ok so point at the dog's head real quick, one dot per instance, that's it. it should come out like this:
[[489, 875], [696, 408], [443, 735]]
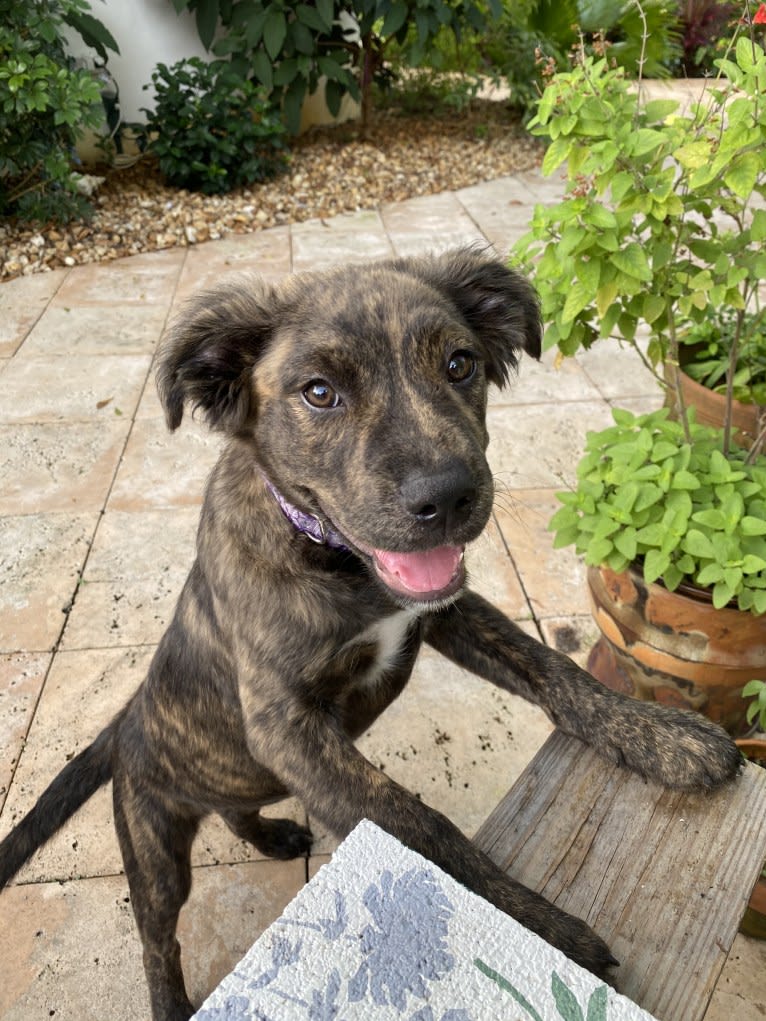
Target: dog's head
[[362, 394]]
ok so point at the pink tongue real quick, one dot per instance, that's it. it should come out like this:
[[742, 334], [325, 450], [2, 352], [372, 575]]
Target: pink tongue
[[421, 572]]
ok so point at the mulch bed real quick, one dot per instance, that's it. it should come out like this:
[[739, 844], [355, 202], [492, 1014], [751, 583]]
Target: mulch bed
[[330, 171]]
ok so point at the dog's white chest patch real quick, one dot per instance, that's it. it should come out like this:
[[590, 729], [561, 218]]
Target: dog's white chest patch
[[389, 635]]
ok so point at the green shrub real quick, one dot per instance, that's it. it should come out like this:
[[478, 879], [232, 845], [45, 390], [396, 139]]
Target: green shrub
[[44, 103], [211, 129], [288, 45]]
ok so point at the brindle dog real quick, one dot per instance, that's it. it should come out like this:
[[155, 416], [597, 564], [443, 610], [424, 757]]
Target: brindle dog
[[330, 547]]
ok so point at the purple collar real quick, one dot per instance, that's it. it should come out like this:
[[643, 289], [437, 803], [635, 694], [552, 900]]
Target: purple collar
[[308, 524]]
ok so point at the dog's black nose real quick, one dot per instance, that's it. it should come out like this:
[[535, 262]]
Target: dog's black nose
[[445, 498]]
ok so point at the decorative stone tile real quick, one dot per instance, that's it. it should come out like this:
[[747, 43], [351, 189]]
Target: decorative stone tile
[[381, 933], [87, 388], [429, 224], [72, 951], [134, 576], [548, 381], [537, 446], [84, 690], [59, 467], [140, 279], [22, 302], [266, 254], [21, 680], [553, 580], [41, 556], [575, 636], [500, 209], [164, 469], [350, 237], [86, 330]]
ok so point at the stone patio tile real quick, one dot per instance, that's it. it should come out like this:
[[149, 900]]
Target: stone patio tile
[[456, 741], [500, 209], [546, 382], [350, 237], [85, 330], [42, 558], [83, 692], [133, 578], [73, 952], [537, 446], [739, 993], [545, 190], [59, 467], [139, 279], [83, 389], [430, 223], [266, 253], [572, 635], [21, 680], [554, 580], [491, 573], [163, 469], [22, 302]]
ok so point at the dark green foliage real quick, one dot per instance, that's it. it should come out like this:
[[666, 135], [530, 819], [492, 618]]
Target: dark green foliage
[[44, 103], [550, 30], [288, 45], [212, 129]]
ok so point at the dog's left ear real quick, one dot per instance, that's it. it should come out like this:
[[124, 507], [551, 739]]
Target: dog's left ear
[[208, 354], [499, 304]]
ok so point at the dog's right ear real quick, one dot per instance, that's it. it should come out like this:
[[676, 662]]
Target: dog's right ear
[[209, 352]]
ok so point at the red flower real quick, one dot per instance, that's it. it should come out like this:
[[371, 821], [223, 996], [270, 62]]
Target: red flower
[[759, 18]]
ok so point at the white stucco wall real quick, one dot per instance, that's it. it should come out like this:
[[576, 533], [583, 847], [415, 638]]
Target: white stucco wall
[[147, 32]]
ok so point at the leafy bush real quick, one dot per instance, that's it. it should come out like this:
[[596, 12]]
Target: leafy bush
[[549, 30], [645, 493], [211, 129], [706, 352], [288, 45], [44, 103]]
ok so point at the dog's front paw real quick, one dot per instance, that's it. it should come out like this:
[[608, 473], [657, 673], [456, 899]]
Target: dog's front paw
[[676, 747]]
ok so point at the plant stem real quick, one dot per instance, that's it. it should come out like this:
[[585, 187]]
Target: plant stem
[[730, 371], [674, 362]]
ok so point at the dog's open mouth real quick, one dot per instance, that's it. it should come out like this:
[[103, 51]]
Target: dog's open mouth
[[425, 576]]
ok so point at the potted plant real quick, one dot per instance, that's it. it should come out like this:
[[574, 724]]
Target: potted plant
[[663, 224], [674, 536], [660, 228]]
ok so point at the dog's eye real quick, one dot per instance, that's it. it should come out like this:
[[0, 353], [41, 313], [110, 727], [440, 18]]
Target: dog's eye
[[460, 367], [319, 394]]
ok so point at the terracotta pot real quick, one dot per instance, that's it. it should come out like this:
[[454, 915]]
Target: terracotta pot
[[711, 407], [675, 647], [754, 920]]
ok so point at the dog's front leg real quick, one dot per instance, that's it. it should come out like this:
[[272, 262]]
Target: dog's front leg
[[315, 760], [678, 748]]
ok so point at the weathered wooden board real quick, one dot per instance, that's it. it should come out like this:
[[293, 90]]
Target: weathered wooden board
[[663, 877]]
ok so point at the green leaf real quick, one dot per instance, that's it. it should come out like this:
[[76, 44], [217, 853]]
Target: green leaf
[[566, 1001], [655, 564], [722, 595], [752, 526], [326, 11], [263, 68], [743, 173], [698, 544], [206, 15], [632, 261], [274, 32], [644, 140], [597, 1004], [394, 19]]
